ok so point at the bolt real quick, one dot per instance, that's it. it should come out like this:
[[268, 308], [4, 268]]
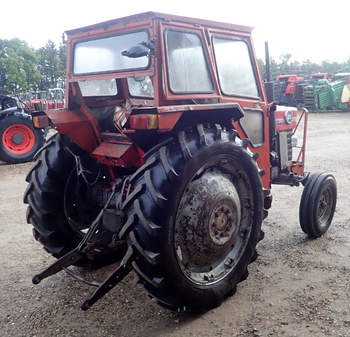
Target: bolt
[[228, 263], [243, 233]]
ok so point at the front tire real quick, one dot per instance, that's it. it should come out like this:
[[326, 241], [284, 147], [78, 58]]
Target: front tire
[[194, 218], [19, 140], [317, 204]]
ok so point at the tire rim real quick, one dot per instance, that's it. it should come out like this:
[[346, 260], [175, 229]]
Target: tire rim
[[324, 207], [18, 139], [212, 229]]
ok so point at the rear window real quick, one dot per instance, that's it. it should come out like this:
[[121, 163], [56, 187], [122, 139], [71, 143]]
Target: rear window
[[105, 54], [234, 66], [187, 65]]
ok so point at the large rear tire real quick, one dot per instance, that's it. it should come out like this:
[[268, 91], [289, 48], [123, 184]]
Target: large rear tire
[[19, 140], [49, 187], [194, 218]]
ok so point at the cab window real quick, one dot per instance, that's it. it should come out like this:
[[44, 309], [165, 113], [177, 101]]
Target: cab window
[[235, 71], [187, 65]]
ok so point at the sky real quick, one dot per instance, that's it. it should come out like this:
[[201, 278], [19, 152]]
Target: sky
[[308, 29]]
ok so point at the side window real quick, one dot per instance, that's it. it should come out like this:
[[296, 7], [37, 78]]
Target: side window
[[236, 75], [187, 66], [252, 124]]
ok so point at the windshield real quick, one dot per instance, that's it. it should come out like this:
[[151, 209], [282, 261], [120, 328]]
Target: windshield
[[104, 55]]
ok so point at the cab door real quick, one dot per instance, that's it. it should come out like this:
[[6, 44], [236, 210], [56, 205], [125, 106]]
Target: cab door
[[240, 82]]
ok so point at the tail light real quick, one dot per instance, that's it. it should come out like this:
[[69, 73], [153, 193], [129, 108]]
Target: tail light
[[41, 121], [144, 122]]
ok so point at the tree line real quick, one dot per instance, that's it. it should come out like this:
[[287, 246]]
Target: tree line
[[286, 66], [23, 68]]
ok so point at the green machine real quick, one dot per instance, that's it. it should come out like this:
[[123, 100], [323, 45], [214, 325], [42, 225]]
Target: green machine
[[324, 95]]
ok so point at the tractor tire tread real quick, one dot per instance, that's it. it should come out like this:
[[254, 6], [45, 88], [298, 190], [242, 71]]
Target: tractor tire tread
[[42, 204], [142, 231]]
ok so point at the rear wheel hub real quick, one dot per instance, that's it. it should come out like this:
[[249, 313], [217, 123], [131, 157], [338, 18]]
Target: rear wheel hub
[[17, 138], [207, 227]]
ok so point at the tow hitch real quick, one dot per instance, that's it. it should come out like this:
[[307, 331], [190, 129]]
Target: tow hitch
[[87, 247]]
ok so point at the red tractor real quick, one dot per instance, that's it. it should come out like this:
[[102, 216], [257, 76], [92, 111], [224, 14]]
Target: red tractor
[[19, 140], [43, 100], [165, 156], [284, 89]]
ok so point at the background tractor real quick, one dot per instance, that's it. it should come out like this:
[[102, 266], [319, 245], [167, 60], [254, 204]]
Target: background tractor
[[19, 140], [165, 155], [284, 89], [43, 100]]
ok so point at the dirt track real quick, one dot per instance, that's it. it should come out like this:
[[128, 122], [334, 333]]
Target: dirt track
[[297, 286]]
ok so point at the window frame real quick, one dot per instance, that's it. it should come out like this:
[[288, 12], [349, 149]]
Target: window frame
[[207, 63], [234, 38], [106, 37]]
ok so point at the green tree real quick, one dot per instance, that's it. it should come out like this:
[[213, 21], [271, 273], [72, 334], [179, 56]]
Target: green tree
[[18, 67], [62, 54], [51, 65]]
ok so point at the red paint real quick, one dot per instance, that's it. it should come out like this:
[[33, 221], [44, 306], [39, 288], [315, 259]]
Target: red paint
[[281, 123], [292, 80], [18, 139], [76, 126]]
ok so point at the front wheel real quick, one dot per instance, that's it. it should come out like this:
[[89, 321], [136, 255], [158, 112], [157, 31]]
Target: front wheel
[[317, 204], [19, 140], [194, 218]]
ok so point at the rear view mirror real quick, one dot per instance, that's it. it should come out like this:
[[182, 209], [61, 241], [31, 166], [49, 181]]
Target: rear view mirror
[[136, 51]]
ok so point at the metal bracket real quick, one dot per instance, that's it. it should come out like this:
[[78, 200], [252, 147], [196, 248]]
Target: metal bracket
[[112, 280], [65, 261], [77, 253], [80, 252]]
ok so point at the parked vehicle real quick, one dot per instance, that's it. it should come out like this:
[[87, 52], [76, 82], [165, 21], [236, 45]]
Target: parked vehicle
[[19, 140], [43, 100], [165, 155], [284, 89]]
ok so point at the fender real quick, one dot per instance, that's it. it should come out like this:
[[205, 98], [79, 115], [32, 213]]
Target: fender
[[75, 125], [176, 117]]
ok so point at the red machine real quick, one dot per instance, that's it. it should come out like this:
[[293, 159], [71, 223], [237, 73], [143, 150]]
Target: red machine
[[43, 100], [290, 81], [284, 89], [165, 155]]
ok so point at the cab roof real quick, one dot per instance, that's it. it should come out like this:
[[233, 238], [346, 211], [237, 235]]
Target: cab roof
[[166, 17]]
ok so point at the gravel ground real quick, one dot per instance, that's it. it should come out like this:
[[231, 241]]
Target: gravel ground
[[296, 287]]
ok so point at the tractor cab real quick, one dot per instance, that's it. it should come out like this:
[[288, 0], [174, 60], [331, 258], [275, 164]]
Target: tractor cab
[[149, 75]]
